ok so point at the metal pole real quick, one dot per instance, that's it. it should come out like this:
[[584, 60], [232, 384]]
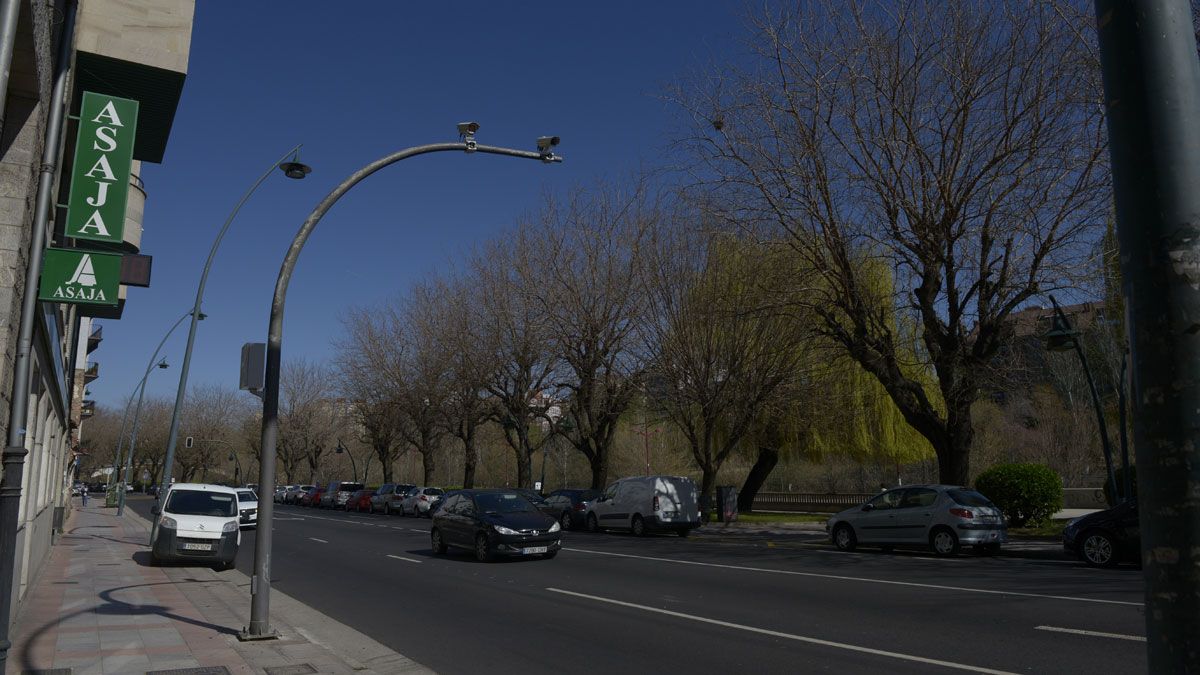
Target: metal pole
[[1100, 423], [141, 388], [14, 451], [181, 392], [1152, 97], [260, 583], [10, 11], [1122, 419], [116, 466]]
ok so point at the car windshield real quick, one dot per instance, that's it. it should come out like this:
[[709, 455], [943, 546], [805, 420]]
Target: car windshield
[[200, 503], [969, 498], [247, 496], [503, 502], [433, 491]]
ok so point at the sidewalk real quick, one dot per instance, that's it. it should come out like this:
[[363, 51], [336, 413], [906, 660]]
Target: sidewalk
[[100, 608]]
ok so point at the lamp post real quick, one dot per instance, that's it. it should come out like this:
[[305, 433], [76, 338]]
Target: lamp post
[[341, 449], [122, 467], [1060, 338], [259, 626], [237, 467], [292, 169]]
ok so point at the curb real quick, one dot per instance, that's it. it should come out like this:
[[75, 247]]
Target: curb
[[359, 651]]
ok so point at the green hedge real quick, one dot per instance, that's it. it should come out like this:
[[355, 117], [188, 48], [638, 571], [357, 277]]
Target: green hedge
[[1027, 493]]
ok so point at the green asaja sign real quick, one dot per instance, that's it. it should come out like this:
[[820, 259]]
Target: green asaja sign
[[100, 176], [81, 277]]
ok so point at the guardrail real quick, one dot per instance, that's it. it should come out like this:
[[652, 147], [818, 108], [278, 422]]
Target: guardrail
[[809, 501]]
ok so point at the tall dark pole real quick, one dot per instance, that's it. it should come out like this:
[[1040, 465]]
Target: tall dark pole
[[260, 582], [13, 457], [1152, 100], [181, 391]]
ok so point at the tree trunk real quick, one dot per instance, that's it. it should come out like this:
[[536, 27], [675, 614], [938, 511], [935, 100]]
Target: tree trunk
[[470, 459], [763, 466], [385, 459], [524, 470], [708, 484], [954, 450], [429, 462], [599, 465]]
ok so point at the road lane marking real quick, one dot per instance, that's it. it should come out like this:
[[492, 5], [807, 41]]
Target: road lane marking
[[400, 557], [1093, 633], [818, 575], [318, 540], [788, 636], [413, 529]]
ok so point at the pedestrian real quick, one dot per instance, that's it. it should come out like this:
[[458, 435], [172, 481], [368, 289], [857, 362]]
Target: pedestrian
[[83, 493]]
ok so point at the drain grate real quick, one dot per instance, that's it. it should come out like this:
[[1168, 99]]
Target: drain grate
[[298, 669]]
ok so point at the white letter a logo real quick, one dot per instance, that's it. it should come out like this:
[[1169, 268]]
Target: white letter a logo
[[84, 274]]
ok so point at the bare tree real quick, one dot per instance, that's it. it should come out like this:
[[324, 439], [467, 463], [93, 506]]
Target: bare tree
[[514, 329], [720, 350], [960, 143], [209, 419], [363, 363], [583, 272], [308, 417], [418, 377]]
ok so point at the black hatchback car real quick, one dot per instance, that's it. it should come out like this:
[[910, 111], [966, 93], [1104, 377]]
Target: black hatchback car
[[492, 523], [1105, 538]]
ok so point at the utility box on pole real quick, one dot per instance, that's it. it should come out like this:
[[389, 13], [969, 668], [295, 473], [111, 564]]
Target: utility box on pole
[[254, 368]]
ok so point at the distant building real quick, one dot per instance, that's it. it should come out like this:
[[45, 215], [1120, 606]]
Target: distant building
[[132, 50]]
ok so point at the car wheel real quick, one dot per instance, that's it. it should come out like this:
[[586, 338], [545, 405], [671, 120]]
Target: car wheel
[[944, 542], [638, 526], [435, 538], [387, 509], [483, 550], [593, 525], [549, 555], [224, 566], [683, 532], [843, 538], [1099, 549], [564, 521]]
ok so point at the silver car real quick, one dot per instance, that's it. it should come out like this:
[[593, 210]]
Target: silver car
[[419, 500], [941, 517]]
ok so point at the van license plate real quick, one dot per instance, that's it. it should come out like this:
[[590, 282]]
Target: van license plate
[[534, 550], [197, 547]]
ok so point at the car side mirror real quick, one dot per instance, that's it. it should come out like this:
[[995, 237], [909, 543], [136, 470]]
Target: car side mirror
[[868, 507]]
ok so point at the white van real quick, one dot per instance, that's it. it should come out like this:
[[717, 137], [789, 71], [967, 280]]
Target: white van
[[197, 522], [646, 503]]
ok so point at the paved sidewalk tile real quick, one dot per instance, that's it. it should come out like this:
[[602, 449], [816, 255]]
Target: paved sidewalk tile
[[100, 608]]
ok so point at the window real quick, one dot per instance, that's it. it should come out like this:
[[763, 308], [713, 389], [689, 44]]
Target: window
[[968, 498], [247, 496], [887, 500], [433, 491], [504, 502], [450, 504], [200, 503], [919, 498], [611, 492]]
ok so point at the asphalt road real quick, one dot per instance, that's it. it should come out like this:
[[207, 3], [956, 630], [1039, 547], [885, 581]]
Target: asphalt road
[[613, 603]]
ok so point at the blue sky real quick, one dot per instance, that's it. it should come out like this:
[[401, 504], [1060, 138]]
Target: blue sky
[[354, 82]]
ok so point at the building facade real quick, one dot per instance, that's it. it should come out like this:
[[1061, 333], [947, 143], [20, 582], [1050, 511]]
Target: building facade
[[129, 49]]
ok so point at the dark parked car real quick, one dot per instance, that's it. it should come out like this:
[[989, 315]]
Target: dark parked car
[[569, 507], [492, 523], [359, 501], [1105, 538]]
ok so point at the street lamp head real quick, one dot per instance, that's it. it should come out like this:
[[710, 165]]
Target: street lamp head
[[201, 316], [294, 169], [163, 364]]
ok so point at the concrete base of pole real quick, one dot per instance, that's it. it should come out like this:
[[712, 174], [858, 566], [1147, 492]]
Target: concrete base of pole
[[254, 633]]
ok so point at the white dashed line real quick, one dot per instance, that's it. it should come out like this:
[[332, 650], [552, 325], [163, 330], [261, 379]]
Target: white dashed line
[[400, 557], [322, 541], [818, 575], [789, 636], [1092, 633]]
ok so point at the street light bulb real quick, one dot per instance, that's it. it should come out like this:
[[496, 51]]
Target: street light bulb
[[163, 364], [295, 170]]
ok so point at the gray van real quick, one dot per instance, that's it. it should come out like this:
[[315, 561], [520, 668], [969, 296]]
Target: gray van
[[643, 504]]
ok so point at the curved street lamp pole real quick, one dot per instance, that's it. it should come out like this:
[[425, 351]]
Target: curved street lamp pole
[[292, 169], [123, 465], [260, 584]]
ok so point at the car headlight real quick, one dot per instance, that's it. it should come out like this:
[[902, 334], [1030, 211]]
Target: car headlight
[[504, 530], [230, 526], [555, 527], [168, 522]]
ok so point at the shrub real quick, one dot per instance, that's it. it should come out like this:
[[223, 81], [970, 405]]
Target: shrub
[[1026, 493]]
